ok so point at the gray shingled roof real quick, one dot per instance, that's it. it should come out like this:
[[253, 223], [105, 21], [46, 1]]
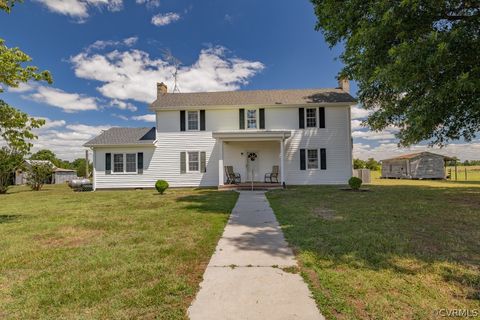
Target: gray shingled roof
[[124, 136], [254, 97]]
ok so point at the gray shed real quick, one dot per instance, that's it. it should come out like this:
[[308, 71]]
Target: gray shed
[[59, 175], [421, 165]]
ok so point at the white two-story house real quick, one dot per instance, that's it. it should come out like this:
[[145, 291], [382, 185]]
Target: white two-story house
[[305, 135]]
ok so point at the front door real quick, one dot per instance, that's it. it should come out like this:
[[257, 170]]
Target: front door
[[252, 166]]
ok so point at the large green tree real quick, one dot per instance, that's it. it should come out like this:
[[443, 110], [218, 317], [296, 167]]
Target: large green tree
[[417, 63]]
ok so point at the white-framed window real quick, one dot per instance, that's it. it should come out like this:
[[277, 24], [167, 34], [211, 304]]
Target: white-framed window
[[193, 161], [124, 163], [251, 118], [311, 117], [118, 162], [131, 162], [193, 119], [312, 159]]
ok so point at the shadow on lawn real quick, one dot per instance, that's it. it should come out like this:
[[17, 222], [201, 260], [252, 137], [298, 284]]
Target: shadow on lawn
[[403, 228], [4, 218], [210, 201]]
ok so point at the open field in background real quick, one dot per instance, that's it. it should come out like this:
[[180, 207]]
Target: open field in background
[[472, 173], [108, 254], [400, 251]]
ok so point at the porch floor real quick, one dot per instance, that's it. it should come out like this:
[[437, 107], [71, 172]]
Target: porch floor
[[250, 186]]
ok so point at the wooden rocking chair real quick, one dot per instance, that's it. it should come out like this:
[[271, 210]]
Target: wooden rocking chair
[[232, 177], [269, 177]]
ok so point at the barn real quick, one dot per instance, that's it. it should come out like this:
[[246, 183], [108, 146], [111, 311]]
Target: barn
[[421, 165]]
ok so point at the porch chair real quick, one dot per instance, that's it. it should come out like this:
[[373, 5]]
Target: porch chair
[[272, 175], [232, 177]]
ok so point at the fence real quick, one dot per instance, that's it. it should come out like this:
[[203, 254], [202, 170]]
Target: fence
[[463, 173]]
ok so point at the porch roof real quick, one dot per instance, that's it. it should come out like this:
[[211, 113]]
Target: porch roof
[[252, 135]]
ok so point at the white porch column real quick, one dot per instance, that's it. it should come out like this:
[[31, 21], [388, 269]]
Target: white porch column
[[282, 161], [220, 163]]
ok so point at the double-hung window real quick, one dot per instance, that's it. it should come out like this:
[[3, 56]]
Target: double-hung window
[[252, 119], [131, 162], [124, 162], [311, 117], [118, 162], [193, 161], [192, 120], [312, 159]]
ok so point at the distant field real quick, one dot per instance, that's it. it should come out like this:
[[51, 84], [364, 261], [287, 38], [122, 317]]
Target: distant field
[[472, 173]]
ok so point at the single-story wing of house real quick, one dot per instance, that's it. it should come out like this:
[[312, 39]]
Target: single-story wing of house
[[300, 136]]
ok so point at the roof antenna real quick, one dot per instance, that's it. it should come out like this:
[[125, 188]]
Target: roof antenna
[[176, 63]]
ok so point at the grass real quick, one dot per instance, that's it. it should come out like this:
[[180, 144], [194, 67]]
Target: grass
[[401, 251], [108, 254]]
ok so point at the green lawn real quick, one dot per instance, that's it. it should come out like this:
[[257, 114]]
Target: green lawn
[[106, 255], [400, 251]]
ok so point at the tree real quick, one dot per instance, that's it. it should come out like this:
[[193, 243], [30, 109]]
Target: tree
[[15, 126], [79, 165], [10, 160], [38, 174], [358, 164], [417, 63], [372, 164]]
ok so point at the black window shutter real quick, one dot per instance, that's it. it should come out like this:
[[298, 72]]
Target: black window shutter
[[321, 114], [108, 163], [302, 160], [182, 120], [323, 159], [183, 162], [202, 120], [262, 118], [203, 161], [241, 118], [301, 118], [140, 162]]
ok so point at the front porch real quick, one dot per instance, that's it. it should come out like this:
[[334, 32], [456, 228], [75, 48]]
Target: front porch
[[251, 154]]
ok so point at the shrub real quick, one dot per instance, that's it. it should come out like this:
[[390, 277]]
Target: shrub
[[10, 160], [161, 186], [355, 183], [38, 174]]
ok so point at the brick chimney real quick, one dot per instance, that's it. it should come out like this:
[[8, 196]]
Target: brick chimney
[[344, 84], [161, 89]]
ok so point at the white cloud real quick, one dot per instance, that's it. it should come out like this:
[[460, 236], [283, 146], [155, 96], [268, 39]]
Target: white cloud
[[79, 9], [163, 19], [371, 135], [102, 44], [120, 116], [145, 117], [132, 74], [359, 113], [51, 123], [122, 105], [22, 87], [66, 140], [149, 3], [356, 124], [69, 102]]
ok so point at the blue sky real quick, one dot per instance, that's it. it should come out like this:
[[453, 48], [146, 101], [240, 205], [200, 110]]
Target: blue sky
[[106, 55]]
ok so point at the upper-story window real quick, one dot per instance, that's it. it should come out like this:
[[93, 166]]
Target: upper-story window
[[192, 120], [311, 117], [252, 119]]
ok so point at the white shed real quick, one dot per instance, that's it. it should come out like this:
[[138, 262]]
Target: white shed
[[421, 165]]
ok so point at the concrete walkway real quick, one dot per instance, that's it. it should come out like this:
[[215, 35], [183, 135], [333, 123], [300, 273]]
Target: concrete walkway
[[244, 279]]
